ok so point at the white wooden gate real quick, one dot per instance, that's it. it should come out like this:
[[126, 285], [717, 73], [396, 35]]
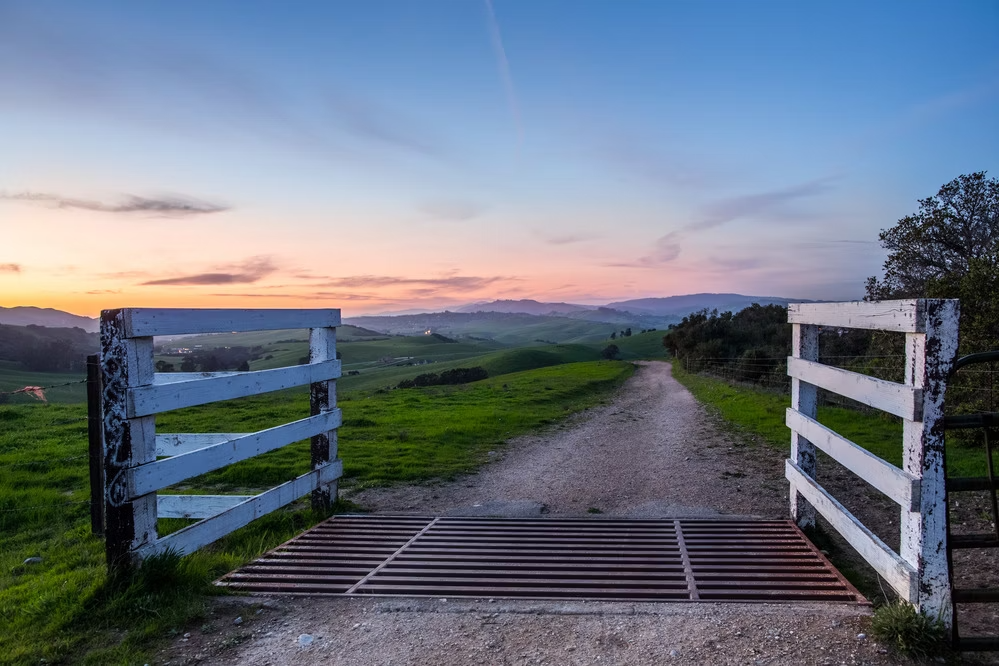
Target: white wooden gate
[[919, 572], [138, 463]]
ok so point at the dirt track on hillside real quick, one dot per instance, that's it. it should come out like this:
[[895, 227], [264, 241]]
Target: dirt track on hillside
[[653, 451]]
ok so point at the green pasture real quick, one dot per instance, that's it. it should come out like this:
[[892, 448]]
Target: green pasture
[[640, 346], [65, 609]]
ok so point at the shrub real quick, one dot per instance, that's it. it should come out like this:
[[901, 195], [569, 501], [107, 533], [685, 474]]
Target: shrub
[[453, 376]]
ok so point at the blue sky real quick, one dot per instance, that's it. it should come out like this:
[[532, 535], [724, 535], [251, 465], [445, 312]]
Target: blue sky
[[386, 155]]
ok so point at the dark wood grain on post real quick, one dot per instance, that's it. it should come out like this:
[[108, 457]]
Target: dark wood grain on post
[[125, 363], [95, 432], [322, 398]]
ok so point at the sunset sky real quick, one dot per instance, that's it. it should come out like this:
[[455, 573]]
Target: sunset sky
[[379, 156]]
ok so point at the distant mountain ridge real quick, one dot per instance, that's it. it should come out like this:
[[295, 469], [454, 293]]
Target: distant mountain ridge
[[524, 306], [490, 318], [672, 307], [27, 315], [680, 306]]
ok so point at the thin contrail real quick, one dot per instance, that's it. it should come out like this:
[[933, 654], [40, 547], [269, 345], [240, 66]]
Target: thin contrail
[[504, 70]]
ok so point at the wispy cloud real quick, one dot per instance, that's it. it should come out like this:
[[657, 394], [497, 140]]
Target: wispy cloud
[[636, 158], [728, 210], [453, 209], [930, 110], [723, 211], [246, 272], [379, 123], [169, 206], [667, 250], [566, 239], [324, 295], [10, 268], [504, 69], [453, 283], [61, 61], [844, 243]]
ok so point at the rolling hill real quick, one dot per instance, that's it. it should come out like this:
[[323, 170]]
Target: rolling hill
[[506, 328], [680, 306], [25, 315]]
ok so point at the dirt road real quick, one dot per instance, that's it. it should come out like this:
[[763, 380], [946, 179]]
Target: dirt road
[[652, 451]]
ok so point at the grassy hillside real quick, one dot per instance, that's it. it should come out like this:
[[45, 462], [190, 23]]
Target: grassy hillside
[[640, 345], [507, 328], [64, 609], [357, 353]]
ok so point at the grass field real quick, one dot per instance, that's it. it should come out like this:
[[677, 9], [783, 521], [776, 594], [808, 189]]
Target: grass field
[[64, 608], [640, 346]]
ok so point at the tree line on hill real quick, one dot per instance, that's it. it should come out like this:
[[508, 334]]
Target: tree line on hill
[[452, 376], [44, 349], [214, 360]]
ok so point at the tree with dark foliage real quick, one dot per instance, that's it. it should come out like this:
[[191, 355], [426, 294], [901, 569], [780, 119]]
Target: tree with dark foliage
[[942, 241], [610, 352], [949, 249]]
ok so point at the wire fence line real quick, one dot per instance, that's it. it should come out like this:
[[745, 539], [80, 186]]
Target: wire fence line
[[47, 461], [22, 509], [29, 389]]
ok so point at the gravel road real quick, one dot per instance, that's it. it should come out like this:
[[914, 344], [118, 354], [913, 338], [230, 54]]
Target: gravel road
[[651, 451]]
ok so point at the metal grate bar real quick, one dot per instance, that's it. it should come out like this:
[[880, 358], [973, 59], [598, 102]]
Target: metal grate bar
[[650, 560]]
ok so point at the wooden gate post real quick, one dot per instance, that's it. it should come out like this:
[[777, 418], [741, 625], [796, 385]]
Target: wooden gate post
[[322, 399], [804, 399], [929, 357], [128, 442]]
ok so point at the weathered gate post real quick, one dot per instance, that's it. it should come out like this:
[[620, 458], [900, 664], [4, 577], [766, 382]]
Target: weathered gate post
[[929, 357], [804, 399], [128, 442], [322, 399]]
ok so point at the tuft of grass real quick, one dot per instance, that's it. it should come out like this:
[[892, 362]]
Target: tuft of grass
[[909, 632], [594, 509]]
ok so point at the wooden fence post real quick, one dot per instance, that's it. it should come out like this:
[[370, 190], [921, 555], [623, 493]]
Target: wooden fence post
[[804, 399], [322, 399], [929, 359], [128, 442], [95, 436]]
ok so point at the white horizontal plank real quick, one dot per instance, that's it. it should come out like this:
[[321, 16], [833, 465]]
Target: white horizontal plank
[[196, 506], [202, 533], [898, 399], [900, 486], [161, 378], [176, 443], [153, 476], [144, 322], [899, 574], [907, 316], [155, 398]]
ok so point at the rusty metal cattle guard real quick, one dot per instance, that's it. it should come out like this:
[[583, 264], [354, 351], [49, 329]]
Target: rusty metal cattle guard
[[648, 560]]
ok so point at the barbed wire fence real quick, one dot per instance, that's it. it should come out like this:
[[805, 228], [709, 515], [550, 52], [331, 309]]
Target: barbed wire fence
[[36, 392]]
